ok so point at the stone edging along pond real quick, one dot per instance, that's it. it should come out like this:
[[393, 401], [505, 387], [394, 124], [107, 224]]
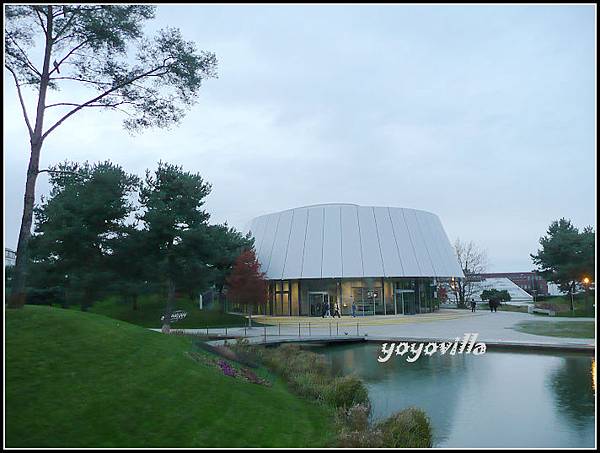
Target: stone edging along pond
[[561, 347]]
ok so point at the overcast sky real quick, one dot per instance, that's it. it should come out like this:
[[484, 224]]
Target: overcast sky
[[483, 115]]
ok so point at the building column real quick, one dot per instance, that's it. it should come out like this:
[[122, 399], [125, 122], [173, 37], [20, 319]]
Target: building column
[[383, 295], [300, 297], [394, 288]]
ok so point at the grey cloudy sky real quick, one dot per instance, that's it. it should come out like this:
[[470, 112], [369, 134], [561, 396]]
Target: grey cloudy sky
[[484, 115]]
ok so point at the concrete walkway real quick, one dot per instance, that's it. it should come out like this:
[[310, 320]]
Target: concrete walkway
[[444, 325]]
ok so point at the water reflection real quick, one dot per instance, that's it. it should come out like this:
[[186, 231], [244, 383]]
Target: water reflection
[[500, 399], [572, 388], [593, 371]]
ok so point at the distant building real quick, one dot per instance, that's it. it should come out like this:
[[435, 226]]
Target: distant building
[[531, 282], [554, 290], [10, 257], [517, 294]]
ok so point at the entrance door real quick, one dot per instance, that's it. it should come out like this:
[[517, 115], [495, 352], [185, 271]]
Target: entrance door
[[406, 301], [317, 301]]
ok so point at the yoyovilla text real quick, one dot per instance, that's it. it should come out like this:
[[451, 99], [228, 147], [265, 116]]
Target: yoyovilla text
[[414, 350]]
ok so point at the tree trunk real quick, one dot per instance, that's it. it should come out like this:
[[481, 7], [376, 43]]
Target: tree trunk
[[571, 290], [588, 309], [17, 296], [461, 294], [166, 327], [220, 299], [86, 300]]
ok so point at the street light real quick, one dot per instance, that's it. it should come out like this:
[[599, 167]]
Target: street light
[[586, 285]]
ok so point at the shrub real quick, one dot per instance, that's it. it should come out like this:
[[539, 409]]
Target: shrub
[[289, 360], [46, 296], [354, 418], [365, 438], [354, 429], [309, 385], [409, 428], [346, 391]]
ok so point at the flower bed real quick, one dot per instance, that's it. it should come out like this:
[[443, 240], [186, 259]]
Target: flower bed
[[228, 369]]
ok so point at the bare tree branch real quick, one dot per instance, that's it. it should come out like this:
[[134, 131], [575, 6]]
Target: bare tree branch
[[29, 63], [472, 261], [37, 12], [47, 170], [73, 104], [29, 128]]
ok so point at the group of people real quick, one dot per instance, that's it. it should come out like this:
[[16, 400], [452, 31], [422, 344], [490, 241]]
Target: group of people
[[327, 310], [494, 304]]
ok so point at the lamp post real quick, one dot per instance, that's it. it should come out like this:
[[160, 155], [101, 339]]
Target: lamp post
[[586, 285]]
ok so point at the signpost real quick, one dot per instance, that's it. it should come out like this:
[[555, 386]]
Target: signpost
[[177, 315]]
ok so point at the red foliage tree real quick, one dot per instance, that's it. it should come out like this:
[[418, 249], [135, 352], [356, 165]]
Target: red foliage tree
[[442, 294], [246, 285]]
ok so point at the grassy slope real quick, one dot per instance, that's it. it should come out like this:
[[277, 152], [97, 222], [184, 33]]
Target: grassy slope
[[78, 379], [151, 309], [569, 329]]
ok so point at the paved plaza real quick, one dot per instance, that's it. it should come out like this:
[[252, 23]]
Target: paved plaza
[[446, 324]]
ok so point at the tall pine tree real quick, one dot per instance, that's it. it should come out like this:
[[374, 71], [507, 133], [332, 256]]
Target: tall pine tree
[[77, 227], [176, 230]]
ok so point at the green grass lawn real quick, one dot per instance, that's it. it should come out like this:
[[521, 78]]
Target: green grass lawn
[[569, 329], [151, 308], [77, 379], [562, 305]]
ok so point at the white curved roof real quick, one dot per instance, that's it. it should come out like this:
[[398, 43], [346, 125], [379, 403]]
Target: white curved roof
[[351, 241]]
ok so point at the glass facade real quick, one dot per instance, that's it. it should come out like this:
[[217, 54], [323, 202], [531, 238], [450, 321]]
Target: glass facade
[[368, 296]]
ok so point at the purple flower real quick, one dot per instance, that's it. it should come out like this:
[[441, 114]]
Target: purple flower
[[227, 369]]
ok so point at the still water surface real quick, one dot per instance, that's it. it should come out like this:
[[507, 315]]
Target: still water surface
[[498, 399]]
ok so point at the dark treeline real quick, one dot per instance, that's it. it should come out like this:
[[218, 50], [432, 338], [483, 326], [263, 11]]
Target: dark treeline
[[102, 232]]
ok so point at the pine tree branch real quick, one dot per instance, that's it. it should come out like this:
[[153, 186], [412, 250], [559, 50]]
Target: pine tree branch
[[62, 30], [79, 79], [79, 46], [103, 95]]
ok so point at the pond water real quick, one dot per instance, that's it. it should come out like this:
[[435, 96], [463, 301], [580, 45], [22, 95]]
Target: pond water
[[498, 399]]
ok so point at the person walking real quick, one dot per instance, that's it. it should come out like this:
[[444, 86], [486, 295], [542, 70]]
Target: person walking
[[353, 309], [327, 310], [491, 304], [473, 305], [336, 312]]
